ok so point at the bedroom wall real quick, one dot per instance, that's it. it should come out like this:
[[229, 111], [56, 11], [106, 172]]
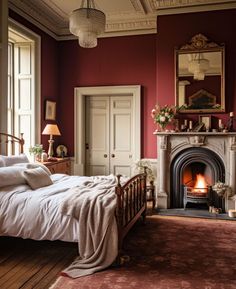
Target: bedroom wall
[[176, 30], [147, 60], [115, 61]]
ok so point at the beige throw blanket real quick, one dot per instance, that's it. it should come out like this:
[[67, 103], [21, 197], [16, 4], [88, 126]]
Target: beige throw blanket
[[93, 204]]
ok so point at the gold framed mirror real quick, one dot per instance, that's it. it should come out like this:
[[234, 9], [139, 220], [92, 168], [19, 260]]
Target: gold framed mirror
[[200, 76]]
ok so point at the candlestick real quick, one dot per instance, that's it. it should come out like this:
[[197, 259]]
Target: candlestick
[[190, 124]]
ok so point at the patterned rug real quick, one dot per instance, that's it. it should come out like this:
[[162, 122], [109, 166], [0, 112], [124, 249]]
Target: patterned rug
[[170, 253]]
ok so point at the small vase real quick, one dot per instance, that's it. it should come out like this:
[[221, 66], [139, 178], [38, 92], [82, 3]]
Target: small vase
[[161, 128]]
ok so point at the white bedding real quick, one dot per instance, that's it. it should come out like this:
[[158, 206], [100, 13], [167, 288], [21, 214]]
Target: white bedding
[[35, 214]]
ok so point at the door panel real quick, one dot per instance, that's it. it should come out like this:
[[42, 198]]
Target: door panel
[[121, 135], [122, 132], [97, 136], [122, 170], [109, 135]]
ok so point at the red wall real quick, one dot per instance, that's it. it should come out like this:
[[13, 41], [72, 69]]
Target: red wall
[[176, 30], [115, 61], [147, 60]]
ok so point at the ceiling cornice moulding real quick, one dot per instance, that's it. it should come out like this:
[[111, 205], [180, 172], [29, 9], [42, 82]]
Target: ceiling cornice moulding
[[49, 17]]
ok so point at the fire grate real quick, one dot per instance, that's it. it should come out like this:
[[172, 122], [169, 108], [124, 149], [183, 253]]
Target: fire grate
[[196, 195]]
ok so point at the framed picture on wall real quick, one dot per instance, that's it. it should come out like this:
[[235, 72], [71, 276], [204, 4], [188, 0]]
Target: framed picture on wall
[[206, 120], [50, 110]]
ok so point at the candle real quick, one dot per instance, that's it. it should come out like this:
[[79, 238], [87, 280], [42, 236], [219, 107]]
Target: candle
[[231, 114], [190, 124], [185, 122], [220, 122]]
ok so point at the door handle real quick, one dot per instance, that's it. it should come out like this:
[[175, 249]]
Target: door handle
[[112, 155], [105, 155]]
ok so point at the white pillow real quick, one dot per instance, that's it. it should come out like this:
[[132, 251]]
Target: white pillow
[[11, 160], [37, 178], [11, 176], [33, 166]]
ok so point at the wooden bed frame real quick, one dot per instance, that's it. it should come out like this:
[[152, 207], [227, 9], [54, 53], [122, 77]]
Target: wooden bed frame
[[131, 197]]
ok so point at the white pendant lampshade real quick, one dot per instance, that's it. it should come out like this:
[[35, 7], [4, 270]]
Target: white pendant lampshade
[[87, 23], [198, 66]]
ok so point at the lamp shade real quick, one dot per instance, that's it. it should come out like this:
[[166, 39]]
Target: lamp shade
[[51, 129]]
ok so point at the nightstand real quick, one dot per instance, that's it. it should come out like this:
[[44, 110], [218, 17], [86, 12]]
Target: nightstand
[[59, 166]]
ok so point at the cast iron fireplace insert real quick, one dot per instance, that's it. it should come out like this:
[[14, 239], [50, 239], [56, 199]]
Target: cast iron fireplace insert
[[184, 168]]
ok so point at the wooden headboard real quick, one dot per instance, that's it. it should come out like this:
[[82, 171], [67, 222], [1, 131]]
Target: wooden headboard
[[9, 143]]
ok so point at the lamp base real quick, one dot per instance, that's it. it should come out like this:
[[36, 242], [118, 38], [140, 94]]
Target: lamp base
[[50, 148]]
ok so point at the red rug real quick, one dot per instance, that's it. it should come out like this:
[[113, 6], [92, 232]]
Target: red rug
[[170, 253]]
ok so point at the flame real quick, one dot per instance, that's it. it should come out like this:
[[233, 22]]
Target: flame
[[200, 185]]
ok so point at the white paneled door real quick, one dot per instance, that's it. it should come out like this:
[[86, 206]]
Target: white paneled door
[[109, 135]]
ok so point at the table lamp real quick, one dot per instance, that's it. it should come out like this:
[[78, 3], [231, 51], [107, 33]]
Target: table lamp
[[51, 129]]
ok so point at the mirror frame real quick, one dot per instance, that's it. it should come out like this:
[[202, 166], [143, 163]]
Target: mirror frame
[[199, 44]]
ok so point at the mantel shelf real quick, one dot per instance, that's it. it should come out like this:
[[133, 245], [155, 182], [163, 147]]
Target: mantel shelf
[[192, 133]]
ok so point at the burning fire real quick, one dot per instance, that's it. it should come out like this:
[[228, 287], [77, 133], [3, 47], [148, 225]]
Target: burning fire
[[200, 185]]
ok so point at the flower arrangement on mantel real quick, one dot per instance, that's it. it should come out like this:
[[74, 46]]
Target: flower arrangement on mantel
[[164, 115]]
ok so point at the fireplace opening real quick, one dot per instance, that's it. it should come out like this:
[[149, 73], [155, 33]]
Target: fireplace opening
[[193, 173]]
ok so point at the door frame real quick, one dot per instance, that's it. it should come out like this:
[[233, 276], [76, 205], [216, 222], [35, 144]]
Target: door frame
[[80, 94]]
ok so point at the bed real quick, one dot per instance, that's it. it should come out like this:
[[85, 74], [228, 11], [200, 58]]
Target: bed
[[51, 212]]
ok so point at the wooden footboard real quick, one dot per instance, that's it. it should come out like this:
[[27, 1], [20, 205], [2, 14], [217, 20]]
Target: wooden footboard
[[8, 144], [131, 204]]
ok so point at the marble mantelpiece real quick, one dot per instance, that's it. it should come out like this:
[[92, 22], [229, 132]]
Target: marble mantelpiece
[[169, 144]]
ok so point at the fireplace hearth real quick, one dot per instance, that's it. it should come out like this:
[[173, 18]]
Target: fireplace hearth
[[185, 155]]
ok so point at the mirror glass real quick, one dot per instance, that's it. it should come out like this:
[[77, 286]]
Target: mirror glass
[[200, 76]]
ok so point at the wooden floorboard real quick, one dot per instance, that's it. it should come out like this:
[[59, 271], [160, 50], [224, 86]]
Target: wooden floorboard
[[26, 264]]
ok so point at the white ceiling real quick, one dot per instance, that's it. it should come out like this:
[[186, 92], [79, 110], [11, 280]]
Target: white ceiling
[[123, 17]]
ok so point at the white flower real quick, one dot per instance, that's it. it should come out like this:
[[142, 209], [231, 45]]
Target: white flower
[[162, 119]]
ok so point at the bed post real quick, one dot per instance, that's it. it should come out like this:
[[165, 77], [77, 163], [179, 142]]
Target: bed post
[[144, 188], [119, 213], [21, 143]]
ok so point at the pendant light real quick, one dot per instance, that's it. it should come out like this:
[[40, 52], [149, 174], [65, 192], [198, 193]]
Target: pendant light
[[87, 23]]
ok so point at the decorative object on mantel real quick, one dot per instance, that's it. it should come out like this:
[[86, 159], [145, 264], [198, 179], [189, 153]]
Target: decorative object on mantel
[[206, 120], [230, 123], [87, 23], [164, 115], [220, 125]]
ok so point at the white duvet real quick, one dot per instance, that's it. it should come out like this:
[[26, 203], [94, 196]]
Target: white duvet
[[36, 214]]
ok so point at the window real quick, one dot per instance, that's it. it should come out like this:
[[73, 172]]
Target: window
[[23, 95]]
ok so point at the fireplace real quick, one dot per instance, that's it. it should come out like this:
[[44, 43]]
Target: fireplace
[[192, 173], [185, 155]]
